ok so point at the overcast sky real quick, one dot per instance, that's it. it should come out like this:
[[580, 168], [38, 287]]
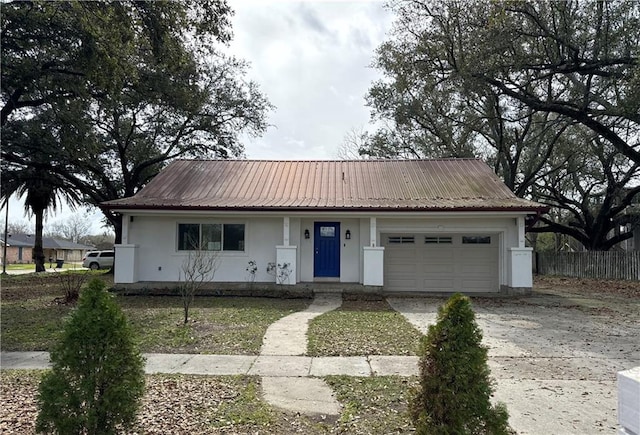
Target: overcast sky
[[312, 60]]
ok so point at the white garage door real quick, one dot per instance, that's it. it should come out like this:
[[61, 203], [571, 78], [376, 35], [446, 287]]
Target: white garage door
[[449, 263]]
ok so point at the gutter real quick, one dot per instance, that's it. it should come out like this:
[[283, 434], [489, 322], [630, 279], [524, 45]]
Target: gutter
[[534, 210]]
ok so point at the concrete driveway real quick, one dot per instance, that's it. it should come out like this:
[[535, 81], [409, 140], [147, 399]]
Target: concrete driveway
[[554, 355]]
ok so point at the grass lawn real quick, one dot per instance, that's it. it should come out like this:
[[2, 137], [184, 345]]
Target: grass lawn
[[231, 405], [362, 328], [30, 319]]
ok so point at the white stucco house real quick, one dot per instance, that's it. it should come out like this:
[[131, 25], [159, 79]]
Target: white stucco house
[[399, 225]]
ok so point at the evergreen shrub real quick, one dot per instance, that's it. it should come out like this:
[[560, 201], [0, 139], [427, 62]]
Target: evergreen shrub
[[455, 388], [97, 379]]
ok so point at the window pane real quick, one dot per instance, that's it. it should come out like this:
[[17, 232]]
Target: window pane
[[438, 240], [396, 240], [211, 237], [233, 237], [188, 237], [327, 231], [476, 240]]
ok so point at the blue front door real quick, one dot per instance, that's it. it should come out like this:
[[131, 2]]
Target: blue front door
[[326, 260]]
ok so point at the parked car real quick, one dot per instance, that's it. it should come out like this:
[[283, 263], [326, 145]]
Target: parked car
[[98, 260]]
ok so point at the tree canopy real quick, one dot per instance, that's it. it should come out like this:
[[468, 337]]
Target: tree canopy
[[546, 92], [124, 87]]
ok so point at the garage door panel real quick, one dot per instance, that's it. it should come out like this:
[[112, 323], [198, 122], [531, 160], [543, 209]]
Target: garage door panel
[[442, 285], [477, 285], [441, 267], [400, 269], [435, 269], [485, 269], [435, 255], [478, 254], [401, 283]]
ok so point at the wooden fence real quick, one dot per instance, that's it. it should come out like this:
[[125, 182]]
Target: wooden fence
[[590, 264]]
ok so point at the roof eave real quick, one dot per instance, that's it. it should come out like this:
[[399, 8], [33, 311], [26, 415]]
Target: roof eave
[[538, 209]]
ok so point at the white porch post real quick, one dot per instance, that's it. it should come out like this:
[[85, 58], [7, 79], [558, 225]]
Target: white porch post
[[373, 232], [521, 237], [286, 234], [286, 257], [373, 258], [520, 263], [126, 264], [126, 257], [125, 229]]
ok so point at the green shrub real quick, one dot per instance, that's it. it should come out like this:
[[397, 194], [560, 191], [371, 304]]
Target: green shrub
[[455, 387], [97, 379]]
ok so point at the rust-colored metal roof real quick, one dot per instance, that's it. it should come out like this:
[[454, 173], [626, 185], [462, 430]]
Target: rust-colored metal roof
[[384, 185]]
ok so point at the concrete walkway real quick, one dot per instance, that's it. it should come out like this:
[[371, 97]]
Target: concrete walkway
[[263, 365], [285, 381], [288, 336]]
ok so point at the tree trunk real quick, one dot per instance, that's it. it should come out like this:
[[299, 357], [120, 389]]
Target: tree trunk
[[38, 250], [116, 221]]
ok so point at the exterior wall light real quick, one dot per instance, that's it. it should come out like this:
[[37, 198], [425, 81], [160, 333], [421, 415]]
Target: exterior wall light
[[306, 234], [347, 235]]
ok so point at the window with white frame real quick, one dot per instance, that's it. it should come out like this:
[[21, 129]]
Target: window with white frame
[[211, 237]]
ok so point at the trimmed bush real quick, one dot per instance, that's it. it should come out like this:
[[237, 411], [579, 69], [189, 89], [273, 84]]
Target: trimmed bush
[[97, 379], [455, 387]]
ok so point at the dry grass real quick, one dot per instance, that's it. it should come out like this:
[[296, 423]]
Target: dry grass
[[31, 319], [362, 327], [180, 404]]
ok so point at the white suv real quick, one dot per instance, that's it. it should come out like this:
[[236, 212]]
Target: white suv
[[98, 260]]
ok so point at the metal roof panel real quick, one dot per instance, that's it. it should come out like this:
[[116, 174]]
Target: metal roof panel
[[435, 184]]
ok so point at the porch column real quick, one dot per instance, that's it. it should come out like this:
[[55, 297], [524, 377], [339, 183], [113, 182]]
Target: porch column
[[373, 258], [126, 264], [373, 236], [520, 266], [521, 235], [125, 228], [286, 233]]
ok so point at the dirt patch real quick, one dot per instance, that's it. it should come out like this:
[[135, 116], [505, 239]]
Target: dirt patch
[[587, 287]]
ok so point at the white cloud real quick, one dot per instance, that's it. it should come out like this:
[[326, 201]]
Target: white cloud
[[312, 60]]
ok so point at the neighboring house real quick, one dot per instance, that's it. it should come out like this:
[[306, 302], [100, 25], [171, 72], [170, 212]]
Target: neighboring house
[[405, 225], [20, 249]]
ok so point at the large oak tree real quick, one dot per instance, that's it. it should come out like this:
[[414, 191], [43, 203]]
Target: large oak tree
[[528, 86], [126, 87]]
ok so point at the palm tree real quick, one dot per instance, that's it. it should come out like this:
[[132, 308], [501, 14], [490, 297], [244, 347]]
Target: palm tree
[[34, 151], [43, 189]]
